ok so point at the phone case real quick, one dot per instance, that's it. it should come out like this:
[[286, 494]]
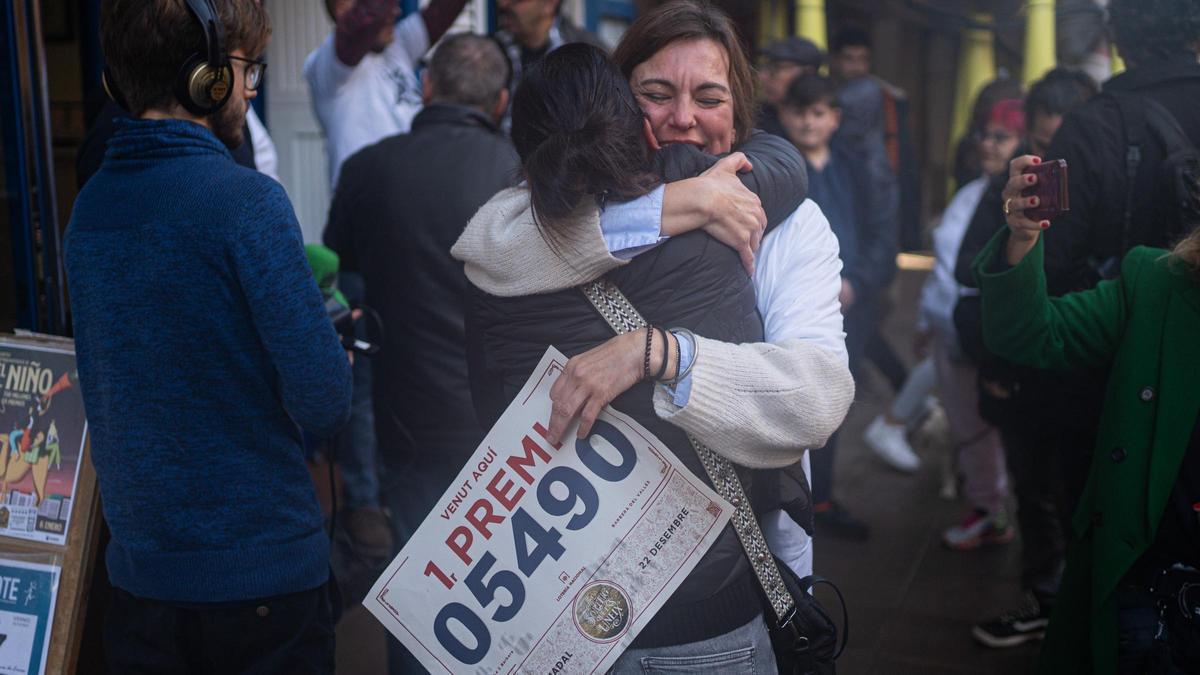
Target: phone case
[[1051, 190]]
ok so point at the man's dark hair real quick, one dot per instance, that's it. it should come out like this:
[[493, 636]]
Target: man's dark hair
[[683, 20], [146, 42], [579, 133], [850, 36], [1145, 30], [1057, 93], [469, 70], [808, 90]]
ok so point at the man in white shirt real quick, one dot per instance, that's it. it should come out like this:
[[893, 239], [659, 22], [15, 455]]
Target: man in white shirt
[[363, 77], [265, 158]]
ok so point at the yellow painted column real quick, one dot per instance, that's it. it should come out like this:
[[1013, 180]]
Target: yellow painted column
[[1118, 63], [772, 21], [1039, 40], [810, 22], [976, 67]]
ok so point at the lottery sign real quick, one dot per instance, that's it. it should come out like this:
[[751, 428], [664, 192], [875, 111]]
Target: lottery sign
[[548, 558]]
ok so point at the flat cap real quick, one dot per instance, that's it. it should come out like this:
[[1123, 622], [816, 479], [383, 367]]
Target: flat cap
[[795, 49]]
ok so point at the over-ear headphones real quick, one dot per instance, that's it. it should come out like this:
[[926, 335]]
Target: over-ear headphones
[[205, 80]]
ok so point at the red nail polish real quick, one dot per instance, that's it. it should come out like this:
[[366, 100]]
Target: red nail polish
[[1037, 160], [1045, 224], [1033, 201], [1029, 179]]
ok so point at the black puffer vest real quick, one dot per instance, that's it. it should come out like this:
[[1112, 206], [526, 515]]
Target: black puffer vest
[[691, 281]]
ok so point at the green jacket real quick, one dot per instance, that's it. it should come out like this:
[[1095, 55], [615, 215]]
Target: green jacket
[[1146, 324]]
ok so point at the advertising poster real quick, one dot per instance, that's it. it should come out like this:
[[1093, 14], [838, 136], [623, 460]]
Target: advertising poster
[[42, 434], [27, 595], [544, 558]]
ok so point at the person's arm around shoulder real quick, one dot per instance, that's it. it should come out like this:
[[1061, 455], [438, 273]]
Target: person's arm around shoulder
[[715, 201], [289, 315], [1021, 322], [777, 173], [702, 193]]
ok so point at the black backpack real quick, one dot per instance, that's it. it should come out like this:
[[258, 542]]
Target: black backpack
[[1176, 178]]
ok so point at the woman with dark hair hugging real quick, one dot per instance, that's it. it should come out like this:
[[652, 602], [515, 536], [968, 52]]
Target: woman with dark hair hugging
[[585, 147]]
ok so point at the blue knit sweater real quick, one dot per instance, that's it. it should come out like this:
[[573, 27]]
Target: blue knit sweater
[[203, 348]]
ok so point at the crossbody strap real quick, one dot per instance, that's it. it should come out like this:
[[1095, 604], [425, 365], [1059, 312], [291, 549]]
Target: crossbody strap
[[623, 318]]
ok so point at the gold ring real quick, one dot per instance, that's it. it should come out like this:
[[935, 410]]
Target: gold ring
[[1007, 203]]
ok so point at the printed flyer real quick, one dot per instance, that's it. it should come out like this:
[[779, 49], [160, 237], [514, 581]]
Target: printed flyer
[[43, 430], [27, 595], [545, 558]]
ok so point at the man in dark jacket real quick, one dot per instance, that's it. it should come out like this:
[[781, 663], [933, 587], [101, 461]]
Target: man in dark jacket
[[1158, 40], [782, 62], [399, 206]]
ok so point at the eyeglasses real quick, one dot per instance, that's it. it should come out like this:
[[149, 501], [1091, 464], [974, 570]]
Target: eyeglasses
[[255, 68]]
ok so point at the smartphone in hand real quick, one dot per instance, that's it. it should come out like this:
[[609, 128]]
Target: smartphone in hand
[[1051, 190]]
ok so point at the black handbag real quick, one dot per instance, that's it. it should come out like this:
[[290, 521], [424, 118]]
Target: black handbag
[[807, 642], [803, 636]]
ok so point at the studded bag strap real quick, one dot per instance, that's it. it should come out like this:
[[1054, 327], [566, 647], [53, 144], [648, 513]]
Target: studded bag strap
[[623, 318]]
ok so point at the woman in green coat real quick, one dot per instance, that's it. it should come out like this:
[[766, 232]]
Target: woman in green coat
[[1137, 529]]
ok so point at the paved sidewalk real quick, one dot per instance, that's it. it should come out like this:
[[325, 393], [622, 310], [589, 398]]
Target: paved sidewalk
[[912, 600]]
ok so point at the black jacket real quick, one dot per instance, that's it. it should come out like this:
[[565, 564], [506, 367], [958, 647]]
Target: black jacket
[[690, 281], [1092, 140], [399, 206]]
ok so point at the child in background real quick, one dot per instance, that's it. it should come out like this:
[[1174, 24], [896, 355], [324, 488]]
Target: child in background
[[810, 116]]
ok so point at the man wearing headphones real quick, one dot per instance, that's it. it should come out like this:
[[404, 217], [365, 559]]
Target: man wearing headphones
[[203, 349]]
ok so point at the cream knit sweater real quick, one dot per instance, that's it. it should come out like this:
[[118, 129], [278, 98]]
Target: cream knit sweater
[[758, 404]]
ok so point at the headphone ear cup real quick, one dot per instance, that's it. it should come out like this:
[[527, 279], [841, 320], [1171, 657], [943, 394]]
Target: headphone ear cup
[[202, 89]]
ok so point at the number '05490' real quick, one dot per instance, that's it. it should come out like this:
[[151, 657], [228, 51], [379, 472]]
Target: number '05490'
[[533, 543]]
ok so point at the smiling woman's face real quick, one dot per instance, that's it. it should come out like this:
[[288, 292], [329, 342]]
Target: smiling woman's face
[[684, 91]]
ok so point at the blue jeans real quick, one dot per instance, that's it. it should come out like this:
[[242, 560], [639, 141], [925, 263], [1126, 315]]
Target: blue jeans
[[1143, 643], [745, 651], [357, 450]]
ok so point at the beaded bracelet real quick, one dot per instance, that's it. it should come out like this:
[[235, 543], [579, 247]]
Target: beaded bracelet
[[646, 360]]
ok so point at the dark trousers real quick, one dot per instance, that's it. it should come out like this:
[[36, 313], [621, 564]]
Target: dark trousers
[[1143, 639], [411, 490], [1043, 514], [1049, 467], [286, 635]]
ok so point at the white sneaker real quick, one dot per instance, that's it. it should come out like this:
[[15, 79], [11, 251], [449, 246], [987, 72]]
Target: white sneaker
[[889, 442]]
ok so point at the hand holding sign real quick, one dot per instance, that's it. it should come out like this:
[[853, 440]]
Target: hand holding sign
[[548, 555]]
